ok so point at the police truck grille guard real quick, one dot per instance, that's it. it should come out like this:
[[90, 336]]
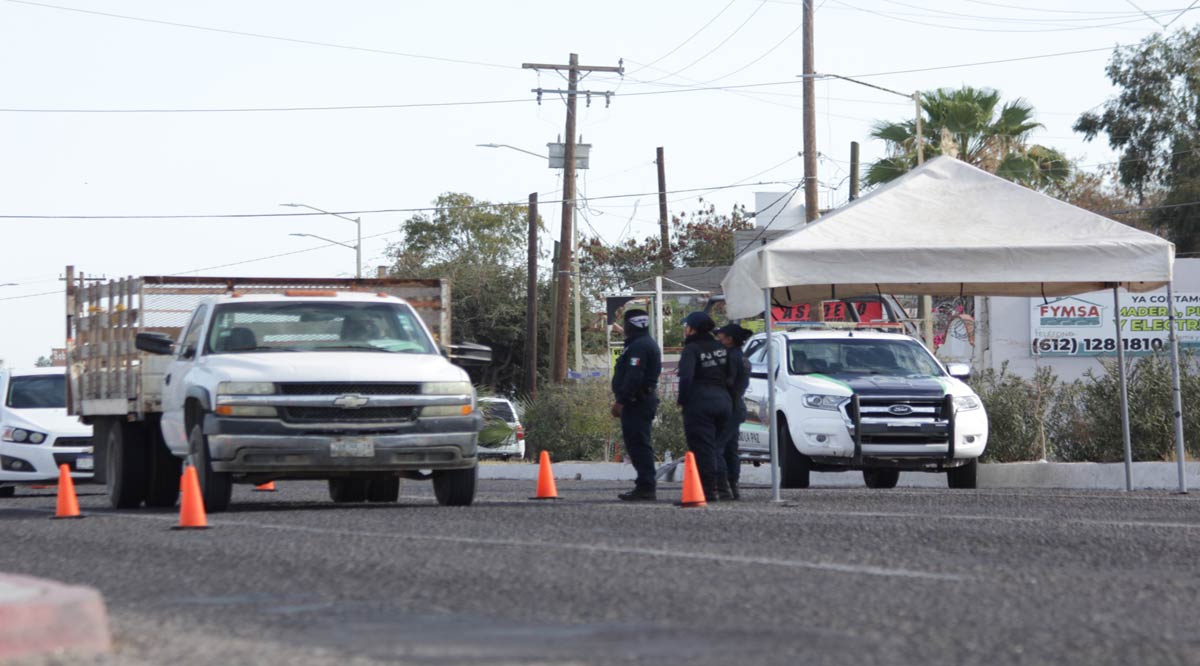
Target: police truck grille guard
[[900, 420]]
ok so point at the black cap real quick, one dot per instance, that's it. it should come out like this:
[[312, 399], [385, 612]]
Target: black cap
[[737, 333], [699, 321]]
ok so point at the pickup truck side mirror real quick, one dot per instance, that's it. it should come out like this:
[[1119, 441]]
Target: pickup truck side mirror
[[155, 343], [959, 371], [468, 354]]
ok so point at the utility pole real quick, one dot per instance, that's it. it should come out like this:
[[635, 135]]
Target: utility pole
[[662, 212], [566, 253], [853, 170], [811, 207], [925, 312], [531, 309]]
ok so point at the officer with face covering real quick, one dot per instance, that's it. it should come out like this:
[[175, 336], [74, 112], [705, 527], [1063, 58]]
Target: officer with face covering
[[705, 378], [635, 393]]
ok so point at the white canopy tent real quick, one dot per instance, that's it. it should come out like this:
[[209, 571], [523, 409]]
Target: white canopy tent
[[948, 228]]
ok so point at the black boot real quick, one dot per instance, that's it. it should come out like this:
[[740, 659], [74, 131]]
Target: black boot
[[639, 494], [724, 489], [733, 491]]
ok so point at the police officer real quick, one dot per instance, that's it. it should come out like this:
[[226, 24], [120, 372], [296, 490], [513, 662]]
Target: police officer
[[635, 392], [733, 337], [704, 381]]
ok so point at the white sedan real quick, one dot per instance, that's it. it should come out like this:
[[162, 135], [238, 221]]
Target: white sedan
[[36, 435]]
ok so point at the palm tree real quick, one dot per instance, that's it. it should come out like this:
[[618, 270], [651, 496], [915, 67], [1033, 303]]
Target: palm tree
[[969, 124]]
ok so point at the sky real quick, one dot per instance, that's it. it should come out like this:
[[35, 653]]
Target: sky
[[713, 82]]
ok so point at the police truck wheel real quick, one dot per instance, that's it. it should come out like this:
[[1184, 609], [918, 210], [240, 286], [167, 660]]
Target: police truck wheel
[[347, 491], [455, 487], [794, 466], [215, 487], [384, 490], [963, 477], [881, 478], [125, 458]]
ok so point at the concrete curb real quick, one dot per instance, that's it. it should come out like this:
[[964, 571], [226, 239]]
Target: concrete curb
[[40, 617], [1094, 476]]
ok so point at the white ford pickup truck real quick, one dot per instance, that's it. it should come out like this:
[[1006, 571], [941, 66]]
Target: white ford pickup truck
[[347, 386], [862, 400]]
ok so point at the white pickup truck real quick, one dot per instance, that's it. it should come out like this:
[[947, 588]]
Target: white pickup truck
[[275, 382], [856, 399]]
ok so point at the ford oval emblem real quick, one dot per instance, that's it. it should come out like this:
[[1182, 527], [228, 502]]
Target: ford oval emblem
[[900, 410]]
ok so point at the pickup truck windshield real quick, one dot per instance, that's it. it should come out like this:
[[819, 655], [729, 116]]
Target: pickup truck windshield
[[316, 326], [860, 356], [37, 392]]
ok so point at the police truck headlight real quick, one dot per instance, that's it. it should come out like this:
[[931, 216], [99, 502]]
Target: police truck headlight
[[965, 402], [449, 388], [818, 401]]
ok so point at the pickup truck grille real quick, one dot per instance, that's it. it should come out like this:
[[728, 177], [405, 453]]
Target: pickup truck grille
[[380, 388], [901, 420], [339, 415]]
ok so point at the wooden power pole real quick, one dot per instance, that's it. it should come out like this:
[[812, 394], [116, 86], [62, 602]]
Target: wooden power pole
[[558, 364], [853, 170], [531, 297], [663, 222], [811, 206]]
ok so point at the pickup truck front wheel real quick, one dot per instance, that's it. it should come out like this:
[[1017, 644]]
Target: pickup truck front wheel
[[963, 477], [795, 467], [455, 487], [215, 487]]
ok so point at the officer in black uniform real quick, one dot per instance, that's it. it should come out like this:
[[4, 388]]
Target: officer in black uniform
[[635, 393], [704, 382], [733, 337]]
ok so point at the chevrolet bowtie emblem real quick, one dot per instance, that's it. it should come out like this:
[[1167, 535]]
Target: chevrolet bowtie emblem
[[351, 401]]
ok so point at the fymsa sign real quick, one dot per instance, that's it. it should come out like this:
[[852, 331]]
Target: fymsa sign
[[1071, 311], [1084, 325]]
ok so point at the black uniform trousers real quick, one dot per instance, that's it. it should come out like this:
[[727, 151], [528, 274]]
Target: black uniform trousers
[[636, 418], [705, 417], [732, 469]]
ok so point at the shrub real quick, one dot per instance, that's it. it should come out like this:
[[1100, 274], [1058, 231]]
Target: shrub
[[1017, 410], [572, 421]]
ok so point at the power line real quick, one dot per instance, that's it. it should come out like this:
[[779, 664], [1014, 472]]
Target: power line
[[721, 43], [896, 16], [257, 35], [422, 209], [685, 42], [988, 62], [1148, 15], [958, 16], [352, 107], [1180, 14], [1042, 9]]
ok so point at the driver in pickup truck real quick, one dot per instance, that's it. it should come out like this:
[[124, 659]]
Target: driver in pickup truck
[[358, 329]]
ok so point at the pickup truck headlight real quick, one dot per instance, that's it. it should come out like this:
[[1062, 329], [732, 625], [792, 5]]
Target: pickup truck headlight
[[818, 401], [22, 436], [449, 388], [966, 402], [245, 388]]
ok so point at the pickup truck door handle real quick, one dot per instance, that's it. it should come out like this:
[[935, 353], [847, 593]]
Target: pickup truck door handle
[[167, 380]]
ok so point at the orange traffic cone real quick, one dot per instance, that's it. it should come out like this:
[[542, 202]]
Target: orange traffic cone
[[693, 492], [546, 489], [191, 507], [68, 504], [268, 487]]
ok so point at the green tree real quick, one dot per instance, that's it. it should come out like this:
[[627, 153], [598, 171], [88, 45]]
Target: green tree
[[481, 248], [43, 362], [1154, 121], [971, 124]]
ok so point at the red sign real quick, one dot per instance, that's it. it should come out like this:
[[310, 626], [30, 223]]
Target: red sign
[[868, 312]]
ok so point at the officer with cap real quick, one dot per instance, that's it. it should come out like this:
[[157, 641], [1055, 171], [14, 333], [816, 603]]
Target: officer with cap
[[635, 392], [705, 379], [733, 337]]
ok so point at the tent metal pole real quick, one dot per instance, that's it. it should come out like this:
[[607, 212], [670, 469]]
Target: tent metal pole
[[1176, 392], [772, 435], [1124, 390]]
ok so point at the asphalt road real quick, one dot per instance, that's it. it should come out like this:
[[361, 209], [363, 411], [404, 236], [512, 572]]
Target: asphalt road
[[833, 576]]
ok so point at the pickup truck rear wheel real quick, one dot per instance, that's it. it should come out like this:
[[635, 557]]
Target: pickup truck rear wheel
[[215, 487], [795, 467], [881, 478], [455, 487], [384, 490], [125, 458], [163, 470], [345, 491], [963, 477]]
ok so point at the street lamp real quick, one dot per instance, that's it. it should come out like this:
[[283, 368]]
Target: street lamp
[[356, 247]]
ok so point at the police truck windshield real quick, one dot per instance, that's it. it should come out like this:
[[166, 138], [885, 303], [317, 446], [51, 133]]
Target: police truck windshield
[[861, 356]]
